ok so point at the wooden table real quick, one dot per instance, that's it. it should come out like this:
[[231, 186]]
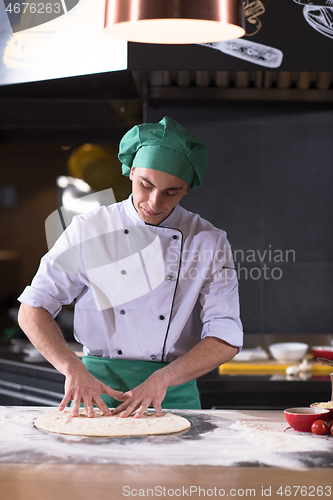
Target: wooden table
[[215, 459], [77, 482]]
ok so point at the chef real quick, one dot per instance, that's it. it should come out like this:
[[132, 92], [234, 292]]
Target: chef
[[154, 285]]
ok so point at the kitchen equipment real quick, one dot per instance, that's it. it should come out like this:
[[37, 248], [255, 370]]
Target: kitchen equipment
[[174, 22], [301, 419], [328, 405], [286, 352], [322, 351]]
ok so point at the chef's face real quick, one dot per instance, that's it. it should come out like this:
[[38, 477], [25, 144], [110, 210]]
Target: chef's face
[[155, 193]]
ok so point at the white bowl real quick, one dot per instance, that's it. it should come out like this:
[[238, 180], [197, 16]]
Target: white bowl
[[288, 352]]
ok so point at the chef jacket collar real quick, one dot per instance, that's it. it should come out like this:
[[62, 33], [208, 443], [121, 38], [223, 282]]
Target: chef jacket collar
[[169, 221]]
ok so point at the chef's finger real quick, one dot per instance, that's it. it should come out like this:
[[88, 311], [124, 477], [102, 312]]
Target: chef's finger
[[140, 411], [145, 405], [89, 409], [129, 410], [158, 409], [119, 409], [102, 406], [121, 398], [112, 392], [76, 407], [124, 396], [65, 400], [139, 405], [125, 407]]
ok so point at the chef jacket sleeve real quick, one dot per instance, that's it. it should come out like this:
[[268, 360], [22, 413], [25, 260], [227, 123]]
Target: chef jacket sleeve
[[59, 279], [219, 298]]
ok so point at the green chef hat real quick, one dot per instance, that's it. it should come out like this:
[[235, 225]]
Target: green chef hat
[[164, 146]]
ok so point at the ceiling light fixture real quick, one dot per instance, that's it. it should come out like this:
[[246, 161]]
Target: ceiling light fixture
[[174, 21]]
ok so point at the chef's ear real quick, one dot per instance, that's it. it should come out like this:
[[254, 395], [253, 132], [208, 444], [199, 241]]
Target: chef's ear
[[131, 173]]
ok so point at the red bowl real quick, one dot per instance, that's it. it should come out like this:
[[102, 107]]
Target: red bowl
[[315, 405], [301, 419], [322, 351]]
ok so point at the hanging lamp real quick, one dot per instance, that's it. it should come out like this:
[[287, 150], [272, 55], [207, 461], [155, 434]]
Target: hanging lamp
[[174, 21]]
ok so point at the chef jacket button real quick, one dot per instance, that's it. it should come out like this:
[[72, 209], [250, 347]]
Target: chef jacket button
[[126, 231], [120, 352], [162, 317], [170, 277], [122, 311], [175, 237], [153, 357], [123, 271]]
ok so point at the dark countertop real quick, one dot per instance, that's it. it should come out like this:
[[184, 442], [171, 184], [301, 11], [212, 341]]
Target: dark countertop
[[262, 391]]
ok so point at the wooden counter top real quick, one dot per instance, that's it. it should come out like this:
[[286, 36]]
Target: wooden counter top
[[114, 482]]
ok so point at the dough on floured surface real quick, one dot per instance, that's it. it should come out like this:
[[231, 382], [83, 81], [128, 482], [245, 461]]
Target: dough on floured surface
[[61, 422]]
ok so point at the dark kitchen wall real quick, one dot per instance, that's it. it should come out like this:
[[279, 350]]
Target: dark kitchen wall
[[269, 185], [31, 170]]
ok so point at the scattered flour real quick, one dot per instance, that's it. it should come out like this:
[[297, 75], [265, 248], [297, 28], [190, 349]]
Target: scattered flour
[[271, 436], [216, 438]]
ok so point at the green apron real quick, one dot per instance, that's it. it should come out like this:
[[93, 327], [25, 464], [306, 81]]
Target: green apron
[[125, 374]]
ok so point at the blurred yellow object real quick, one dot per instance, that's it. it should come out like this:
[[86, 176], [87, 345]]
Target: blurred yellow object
[[97, 165], [122, 188], [267, 368], [100, 174], [82, 156]]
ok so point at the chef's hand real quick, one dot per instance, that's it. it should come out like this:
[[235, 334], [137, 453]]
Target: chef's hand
[[82, 387], [150, 393]]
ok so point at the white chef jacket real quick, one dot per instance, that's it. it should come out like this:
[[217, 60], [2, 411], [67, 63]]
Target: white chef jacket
[[141, 292]]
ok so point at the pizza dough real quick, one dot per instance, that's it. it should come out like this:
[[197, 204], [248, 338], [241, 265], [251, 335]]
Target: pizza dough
[[61, 422]]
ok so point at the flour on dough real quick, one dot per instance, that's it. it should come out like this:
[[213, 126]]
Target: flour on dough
[[61, 422]]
